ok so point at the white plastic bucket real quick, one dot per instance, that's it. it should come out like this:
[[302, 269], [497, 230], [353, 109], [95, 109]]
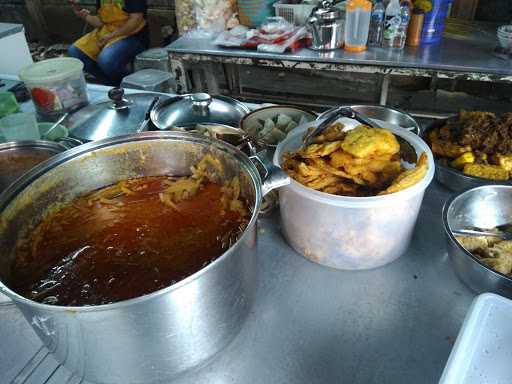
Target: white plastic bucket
[[350, 232]]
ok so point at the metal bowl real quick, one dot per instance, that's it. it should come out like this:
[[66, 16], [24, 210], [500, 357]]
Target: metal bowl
[[454, 179], [484, 207], [390, 115], [270, 112]]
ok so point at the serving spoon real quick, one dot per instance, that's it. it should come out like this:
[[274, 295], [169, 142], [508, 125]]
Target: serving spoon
[[503, 232]]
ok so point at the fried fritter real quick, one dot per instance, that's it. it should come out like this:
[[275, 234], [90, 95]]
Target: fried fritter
[[364, 141], [409, 177], [362, 162], [491, 172]]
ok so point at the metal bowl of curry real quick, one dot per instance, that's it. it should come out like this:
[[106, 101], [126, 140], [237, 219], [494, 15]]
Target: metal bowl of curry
[[472, 149], [134, 258]]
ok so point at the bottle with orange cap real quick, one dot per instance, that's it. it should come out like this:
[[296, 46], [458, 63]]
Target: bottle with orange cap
[[357, 26]]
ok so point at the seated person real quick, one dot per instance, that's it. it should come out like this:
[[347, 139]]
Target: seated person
[[120, 33]]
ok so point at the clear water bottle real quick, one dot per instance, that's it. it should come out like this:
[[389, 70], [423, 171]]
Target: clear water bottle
[[392, 22], [377, 24], [405, 18]]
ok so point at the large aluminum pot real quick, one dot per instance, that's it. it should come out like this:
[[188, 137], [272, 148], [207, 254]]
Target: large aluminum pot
[[153, 337]]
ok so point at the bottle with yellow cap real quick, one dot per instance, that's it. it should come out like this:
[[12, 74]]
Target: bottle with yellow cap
[[357, 25]]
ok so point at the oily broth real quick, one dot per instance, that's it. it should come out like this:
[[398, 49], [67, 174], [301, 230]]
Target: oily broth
[[127, 240]]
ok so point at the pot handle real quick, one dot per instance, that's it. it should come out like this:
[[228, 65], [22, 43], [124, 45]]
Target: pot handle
[[273, 177]]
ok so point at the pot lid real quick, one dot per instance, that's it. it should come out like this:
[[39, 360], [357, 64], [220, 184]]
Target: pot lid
[[121, 115], [198, 108], [326, 11], [17, 158]]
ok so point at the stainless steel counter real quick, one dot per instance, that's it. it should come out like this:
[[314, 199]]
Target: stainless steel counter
[[311, 324], [449, 58]]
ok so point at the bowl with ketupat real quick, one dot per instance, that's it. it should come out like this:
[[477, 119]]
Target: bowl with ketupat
[[472, 149]]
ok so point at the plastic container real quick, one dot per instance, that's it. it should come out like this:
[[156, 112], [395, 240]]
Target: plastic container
[[20, 126], [151, 80], [483, 351], [357, 26], [433, 25], [8, 104], [350, 232], [56, 85], [57, 133], [155, 58], [294, 13], [252, 13]]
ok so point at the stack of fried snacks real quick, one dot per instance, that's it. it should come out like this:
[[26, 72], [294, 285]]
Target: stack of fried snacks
[[476, 143], [361, 162]]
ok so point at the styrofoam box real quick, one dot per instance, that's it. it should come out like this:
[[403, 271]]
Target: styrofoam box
[[483, 350]]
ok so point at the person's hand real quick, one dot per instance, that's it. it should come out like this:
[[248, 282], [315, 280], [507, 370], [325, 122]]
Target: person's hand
[[78, 10], [104, 40], [83, 13]]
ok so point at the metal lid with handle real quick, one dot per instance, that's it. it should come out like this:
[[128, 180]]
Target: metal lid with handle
[[198, 108], [121, 115], [326, 11]]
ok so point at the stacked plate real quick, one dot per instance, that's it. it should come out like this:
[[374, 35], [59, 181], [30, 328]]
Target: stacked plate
[[505, 36]]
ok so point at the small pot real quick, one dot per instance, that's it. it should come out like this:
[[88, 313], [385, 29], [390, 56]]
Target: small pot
[[120, 115], [18, 157], [154, 337], [383, 114], [198, 108]]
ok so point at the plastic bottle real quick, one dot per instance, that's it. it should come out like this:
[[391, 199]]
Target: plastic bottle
[[392, 23], [405, 18], [377, 24], [357, 25]]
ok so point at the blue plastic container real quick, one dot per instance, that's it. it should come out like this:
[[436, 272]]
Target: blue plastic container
[[252, 13], [433, 26]]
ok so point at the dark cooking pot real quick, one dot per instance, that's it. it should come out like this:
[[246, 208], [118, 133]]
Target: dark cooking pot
[[153, 337]]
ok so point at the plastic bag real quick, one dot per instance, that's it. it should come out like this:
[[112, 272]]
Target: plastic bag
[[275, 35], [291, 43], [213, 17], [185, 16]]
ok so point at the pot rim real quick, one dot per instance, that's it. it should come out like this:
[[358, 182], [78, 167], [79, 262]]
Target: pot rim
[[24, 182]]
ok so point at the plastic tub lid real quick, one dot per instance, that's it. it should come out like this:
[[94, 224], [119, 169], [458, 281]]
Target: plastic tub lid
[[154, 53], [51, 70], [146, 78], [483, 351]]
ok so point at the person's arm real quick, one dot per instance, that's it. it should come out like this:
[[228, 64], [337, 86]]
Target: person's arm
[[84, 14], [127, 28], [95, 21]]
